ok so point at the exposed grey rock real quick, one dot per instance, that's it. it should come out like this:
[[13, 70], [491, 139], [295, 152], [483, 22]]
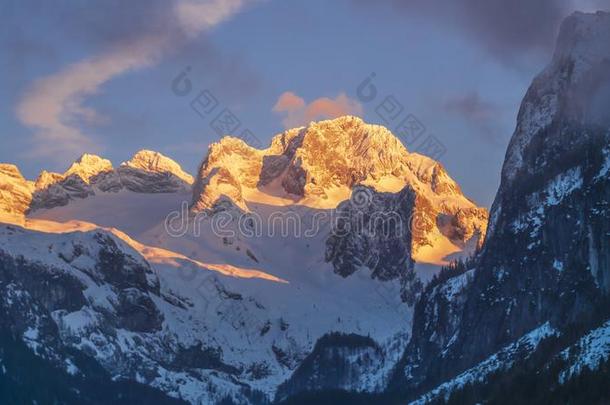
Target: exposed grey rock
[[373, 230]]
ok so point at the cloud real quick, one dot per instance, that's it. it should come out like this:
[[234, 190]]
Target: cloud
[[505, 28], [195, 16], [288, 101], [479, 113], [471, 106], [298, 113], [54, 105]]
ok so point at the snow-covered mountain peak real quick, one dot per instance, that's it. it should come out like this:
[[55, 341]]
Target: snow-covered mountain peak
[[88, 166], [319, 165], [146, 172], [151, 161], [352, 130], [45, 179], [231, 142], [347, 138], [310, 163]]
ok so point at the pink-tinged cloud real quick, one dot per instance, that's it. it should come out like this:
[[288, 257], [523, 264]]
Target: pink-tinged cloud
[[53, 105], [289, 101], [298, 113]]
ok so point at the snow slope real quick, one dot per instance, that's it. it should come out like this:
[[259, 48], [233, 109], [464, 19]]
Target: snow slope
[[265, 316]]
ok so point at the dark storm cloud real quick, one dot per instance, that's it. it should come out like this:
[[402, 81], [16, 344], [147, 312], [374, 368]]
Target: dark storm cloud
[[515, 25], [503, 27], [98, 23]]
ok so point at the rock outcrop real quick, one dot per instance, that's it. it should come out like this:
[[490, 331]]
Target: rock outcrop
[[15, 191], [146, 172]]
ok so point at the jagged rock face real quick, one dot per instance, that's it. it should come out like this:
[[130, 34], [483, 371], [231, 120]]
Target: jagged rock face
[[44, 300], [436, 327], [573, 87], [217, 187], [547, 255], [155, 162], [229, 165], [336, 153], [374, 231], [151, 172], [313, 165], [54, 190], [79, 181], [146, 172], [564, 110], [140, 181], [15, 191]]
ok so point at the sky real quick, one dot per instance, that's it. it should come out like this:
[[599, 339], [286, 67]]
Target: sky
[[113, 77]]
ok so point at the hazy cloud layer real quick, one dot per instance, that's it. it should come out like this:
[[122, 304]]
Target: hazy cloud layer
[[298, 113]]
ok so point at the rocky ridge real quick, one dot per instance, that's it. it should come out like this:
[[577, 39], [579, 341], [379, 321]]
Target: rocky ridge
[[146, 172], [320, 165]]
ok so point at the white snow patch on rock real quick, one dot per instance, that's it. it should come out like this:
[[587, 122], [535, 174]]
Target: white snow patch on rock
[[588, 353], [603, 172], [563, 185]]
